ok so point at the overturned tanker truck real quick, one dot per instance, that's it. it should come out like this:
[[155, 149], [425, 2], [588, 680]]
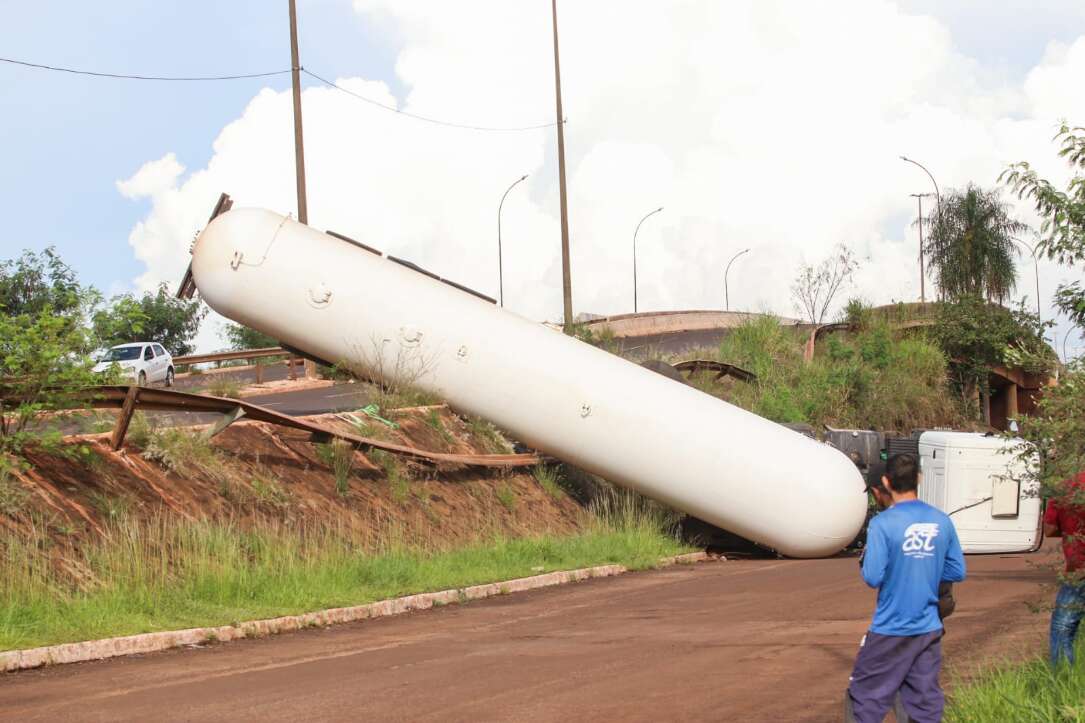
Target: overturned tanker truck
[[343, 302]]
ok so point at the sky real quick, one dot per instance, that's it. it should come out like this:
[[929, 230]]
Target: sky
[[773, 125]]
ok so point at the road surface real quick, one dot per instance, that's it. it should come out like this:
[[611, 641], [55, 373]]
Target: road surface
[[750, 640]]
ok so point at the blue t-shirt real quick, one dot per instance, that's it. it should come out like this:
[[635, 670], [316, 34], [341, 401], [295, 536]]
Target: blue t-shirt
[[911, 548]]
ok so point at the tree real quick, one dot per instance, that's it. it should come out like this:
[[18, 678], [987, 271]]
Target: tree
[[42, 364], [34, 282], [1062, 233], [970, 246], [978, 336], [815, 288], [243, 337], [157, 316]]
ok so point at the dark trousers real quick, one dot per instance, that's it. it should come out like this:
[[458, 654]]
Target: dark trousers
[[887, 664]]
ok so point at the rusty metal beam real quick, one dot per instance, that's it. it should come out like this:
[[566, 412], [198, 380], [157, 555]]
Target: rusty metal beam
[[722, 369], [128, 407], [117, 396]]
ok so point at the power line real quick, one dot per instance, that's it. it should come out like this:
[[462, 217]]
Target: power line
[[325, 81], [427, 119], [121, 76]]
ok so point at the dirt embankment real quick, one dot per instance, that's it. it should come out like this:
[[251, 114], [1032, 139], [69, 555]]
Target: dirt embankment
[[254, 471]]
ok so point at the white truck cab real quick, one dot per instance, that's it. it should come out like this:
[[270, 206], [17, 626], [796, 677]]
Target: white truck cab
[[980, 482]]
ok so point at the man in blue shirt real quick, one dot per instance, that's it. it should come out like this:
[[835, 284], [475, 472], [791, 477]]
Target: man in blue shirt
[[911, 549]]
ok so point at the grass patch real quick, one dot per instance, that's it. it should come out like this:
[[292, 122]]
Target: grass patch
[[398, 478], [493, 442], [181, 451], [224, 386], [339, 456], [433, 420], [13, 496], [167, 573], [872, 378], [1027, 692], [507, 497], [547, 477]]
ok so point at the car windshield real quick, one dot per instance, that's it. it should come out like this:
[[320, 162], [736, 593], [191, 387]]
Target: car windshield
[[121, 353]]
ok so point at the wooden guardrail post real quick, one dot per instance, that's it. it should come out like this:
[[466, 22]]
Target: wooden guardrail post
[[125, 416]]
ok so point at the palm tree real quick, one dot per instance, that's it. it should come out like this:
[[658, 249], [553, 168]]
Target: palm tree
[[970, 249]]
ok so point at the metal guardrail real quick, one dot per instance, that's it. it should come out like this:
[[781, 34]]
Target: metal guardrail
[[129, 398], [230, 355]]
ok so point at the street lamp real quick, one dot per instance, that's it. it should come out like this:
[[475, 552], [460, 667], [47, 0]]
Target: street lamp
[[500, 271], [922, 276], [652, 213], [726, 292], [937, 193], [1036, 268]]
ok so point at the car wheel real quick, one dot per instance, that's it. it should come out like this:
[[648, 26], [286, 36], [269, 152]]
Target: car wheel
[[169, 377], [141, 380]]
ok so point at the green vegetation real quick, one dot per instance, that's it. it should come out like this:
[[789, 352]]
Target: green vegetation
[[872, 378], [181, 450], [158, 316], [167, 573], [492, 440], [243, 337], [398, 478], [547, 477], [339, 456], [1023, 693], [970, 245], [506, 495], [433, 419], [1062, 234], [223, 385]]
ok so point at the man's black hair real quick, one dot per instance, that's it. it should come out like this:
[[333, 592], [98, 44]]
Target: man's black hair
[[903, 472]]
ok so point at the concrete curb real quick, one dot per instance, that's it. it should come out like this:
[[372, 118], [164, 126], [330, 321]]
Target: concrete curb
[[153, 642]]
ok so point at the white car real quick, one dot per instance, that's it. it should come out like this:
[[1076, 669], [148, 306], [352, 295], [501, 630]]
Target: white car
[[145, 362]]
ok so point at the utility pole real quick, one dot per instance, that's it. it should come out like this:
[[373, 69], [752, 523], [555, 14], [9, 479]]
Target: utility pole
[[566, 277], [299, 147], [922, 276]]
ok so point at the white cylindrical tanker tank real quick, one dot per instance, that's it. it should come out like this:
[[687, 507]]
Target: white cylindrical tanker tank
[[634, 427]]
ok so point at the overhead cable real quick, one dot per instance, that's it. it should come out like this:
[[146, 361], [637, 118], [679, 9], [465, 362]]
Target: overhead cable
[[242, 76], [122, 76], [393, 109]]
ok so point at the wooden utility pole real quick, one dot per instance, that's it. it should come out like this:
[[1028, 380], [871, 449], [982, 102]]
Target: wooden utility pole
[[566, 277], [299, 146]]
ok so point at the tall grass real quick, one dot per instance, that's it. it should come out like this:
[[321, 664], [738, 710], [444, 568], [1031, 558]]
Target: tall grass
[[167, 573], [871, 378], [1023, 693]]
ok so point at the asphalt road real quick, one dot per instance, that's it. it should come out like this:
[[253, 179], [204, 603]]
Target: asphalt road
[[752, 640]]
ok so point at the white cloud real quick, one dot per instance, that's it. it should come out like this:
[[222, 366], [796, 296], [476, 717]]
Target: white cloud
[[775, 125]]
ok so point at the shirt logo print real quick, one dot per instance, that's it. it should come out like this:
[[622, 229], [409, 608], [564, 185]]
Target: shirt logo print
[[919, 539]]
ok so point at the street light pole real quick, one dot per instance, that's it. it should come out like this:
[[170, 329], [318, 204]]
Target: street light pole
[[726, 290], [651, 213], [937, 193], [500, 272], [922, 276]]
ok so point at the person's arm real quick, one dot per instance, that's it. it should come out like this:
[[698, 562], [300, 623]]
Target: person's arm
[[875, 556], [953, 570], [1051, 520]]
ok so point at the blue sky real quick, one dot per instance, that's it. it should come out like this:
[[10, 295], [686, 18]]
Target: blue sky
[[70, 139]]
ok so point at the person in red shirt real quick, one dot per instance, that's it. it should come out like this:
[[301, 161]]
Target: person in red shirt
[[1065, 518]]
